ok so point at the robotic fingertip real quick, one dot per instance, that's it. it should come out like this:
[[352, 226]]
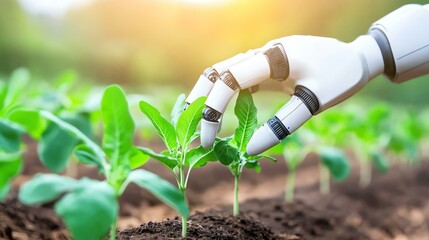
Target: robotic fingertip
[[208, 133], [262, 140]]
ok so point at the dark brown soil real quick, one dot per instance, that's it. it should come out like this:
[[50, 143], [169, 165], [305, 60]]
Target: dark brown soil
[[394, 206], [205, 225], [22, 222]]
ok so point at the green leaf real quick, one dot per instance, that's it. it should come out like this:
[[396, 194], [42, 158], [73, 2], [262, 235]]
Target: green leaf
[[86, 156], [166, 160], [77, 133], [255, 165], [245, 111], [137, 158], [3, 93], [199, 157], [7, 157], [177, 109], [10, 136], [44, 188], [57, 143], [225, 153], [259, 157], [66, 80], [161, 188], [118, 126], [9, 170], [336, 161], [31, 120], [164, 128], [380, 161], [17, 84], [188, 121], [89, 210]]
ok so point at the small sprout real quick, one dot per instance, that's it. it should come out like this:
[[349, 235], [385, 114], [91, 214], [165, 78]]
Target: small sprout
[[231, 151], [177, 136]]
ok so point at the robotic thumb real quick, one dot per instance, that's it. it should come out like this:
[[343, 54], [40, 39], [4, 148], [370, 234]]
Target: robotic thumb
[[302, 105]]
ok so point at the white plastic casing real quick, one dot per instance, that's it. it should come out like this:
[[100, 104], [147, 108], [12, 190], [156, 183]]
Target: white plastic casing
[[370, 53], [407, 31], [208, 136], [220, 96], [262, 139], [331, 69], [293, 114], [251, 71], [224, 65], [201, 88], [204, 85]]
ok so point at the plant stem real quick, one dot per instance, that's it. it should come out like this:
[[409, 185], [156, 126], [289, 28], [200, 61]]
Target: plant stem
[[365, 172], [113, 231], [236, 209], [324, 180], [290, 185], [184, 226], [182, 187]]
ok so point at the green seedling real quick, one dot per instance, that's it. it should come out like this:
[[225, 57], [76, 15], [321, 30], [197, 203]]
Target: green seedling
[[67, 100], [231, 151], [19, 116], [15, 121], [325, 135], [177, 135], [90, 207], [372, 134], [407, 136], [294, 152]]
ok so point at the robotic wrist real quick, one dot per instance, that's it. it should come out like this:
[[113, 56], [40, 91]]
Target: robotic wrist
[[403, 38]]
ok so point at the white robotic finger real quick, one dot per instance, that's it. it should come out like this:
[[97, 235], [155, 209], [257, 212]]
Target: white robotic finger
[[216, 103], [209, 77], [209, 134], [289, 118], [203, 86], [251, 72]]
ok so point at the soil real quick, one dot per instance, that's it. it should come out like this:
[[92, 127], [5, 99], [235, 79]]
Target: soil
[[204, 225], [394, 206], [22, 222]]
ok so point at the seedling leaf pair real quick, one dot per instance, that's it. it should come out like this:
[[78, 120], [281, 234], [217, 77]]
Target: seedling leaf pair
[[88, 207]]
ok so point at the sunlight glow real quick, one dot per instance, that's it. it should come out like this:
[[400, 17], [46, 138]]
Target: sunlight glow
[[51, 8], [203, 2]]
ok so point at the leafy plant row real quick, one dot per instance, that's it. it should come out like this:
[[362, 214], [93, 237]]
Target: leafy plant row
[[375, 137], [89, 207]]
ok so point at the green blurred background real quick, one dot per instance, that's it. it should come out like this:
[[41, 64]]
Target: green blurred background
[[170, 42]]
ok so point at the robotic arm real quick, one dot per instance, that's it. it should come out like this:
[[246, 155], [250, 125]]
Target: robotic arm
[[318, 72]]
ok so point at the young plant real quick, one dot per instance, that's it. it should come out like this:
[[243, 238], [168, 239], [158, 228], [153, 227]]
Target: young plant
[[90, 207], [19, 116], [372, 134], [325, 135], [407, 136], [294, 152], [231, 151], [16, 120], [177, 136]]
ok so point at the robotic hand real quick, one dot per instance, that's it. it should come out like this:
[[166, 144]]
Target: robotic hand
[[318, 72]]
